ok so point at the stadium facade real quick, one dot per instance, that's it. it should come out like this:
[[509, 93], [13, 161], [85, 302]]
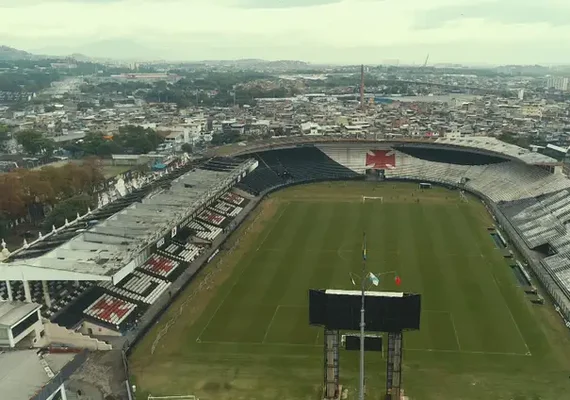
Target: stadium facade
[[112, 272]]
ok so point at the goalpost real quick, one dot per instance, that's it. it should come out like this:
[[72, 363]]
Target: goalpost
[[364, 198]]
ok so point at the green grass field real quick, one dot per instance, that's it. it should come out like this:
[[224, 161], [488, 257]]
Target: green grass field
[[240, 331]]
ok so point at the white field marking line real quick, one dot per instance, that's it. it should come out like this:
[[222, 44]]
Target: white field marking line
[[339, 253], [198, 339], [490, 271], [450, 319], [279, 344], [455, 330], [507, 306], [270, 323], [469, 352], [396, 252], [275, 222], [229, 356]]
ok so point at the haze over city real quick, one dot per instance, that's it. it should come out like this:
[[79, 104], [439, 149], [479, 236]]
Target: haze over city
[[321, 31]]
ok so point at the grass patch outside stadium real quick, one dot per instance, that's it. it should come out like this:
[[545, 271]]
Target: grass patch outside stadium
[[240, 330]]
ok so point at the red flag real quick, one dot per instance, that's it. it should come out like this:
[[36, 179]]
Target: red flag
[[398, 280]]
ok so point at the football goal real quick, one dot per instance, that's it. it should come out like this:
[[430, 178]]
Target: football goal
[[370, 198]]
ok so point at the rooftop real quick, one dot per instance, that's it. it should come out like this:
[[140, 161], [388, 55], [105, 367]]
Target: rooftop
[[497, 146], [102, 251], [22, 374], [11, 312], [481, 143]]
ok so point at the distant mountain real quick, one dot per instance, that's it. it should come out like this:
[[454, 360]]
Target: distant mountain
[[10, 54], [106, 50]]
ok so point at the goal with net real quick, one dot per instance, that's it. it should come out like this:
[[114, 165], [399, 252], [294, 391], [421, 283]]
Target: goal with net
[[370, 198]]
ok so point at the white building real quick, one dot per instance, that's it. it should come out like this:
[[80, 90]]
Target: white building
[[557, 83], [19, 321]]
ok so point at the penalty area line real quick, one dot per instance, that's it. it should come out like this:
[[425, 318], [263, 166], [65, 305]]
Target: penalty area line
[[270, 323], [494, 353]]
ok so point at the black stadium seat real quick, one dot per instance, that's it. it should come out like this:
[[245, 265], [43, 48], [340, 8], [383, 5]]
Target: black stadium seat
[[286, 166]]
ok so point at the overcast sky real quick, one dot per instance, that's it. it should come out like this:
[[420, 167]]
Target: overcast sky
[[336, 31]]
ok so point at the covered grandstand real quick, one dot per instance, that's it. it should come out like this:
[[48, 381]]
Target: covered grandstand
[[99, 274]]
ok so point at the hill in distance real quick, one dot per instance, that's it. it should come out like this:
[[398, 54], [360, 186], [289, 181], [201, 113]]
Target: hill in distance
[[9, 53]]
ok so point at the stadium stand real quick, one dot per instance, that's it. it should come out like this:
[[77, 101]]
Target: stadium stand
[[204, 231], [116, 261], [211, 217], [110, 310], [227, 209], [479, 172], [233, 198], [138, 287], [542, 223], [159, 265], [280, 167]]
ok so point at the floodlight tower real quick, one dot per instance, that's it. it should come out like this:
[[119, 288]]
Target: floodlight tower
[[362, 286]]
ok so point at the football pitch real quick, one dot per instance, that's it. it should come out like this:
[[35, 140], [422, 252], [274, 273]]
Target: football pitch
[[240, 330]]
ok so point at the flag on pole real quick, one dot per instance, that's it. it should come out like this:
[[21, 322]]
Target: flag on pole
[[364, 248], [398, 280], [352, 280], [374, 279]]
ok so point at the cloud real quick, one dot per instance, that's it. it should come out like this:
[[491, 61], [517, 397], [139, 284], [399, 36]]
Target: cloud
[[350, 31], [553, 13], [282, 3]]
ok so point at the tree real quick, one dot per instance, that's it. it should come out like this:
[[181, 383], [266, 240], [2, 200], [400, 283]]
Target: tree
[[187, 148], [107, 103], [84, 106], [12, 203], [67, 209], [137, 140], [223, 138], [35, 143], [4, 137]]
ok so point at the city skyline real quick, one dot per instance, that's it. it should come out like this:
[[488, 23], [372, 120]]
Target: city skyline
[[320, 31]]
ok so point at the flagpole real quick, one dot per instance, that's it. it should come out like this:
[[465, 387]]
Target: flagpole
[[362, 321]]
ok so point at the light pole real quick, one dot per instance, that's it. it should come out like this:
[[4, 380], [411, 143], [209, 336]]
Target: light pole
[[362, 320], [375, 281], [362, 323]]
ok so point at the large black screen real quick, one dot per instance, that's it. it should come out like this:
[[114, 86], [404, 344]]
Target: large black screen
[[382, 314]]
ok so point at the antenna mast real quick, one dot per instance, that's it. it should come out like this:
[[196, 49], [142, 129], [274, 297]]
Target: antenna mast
[[362, 86]]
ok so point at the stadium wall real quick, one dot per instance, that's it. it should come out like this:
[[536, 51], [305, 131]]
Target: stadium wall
[[60, 335]]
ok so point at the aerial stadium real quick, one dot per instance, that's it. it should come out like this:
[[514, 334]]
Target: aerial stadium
[[201, 276]]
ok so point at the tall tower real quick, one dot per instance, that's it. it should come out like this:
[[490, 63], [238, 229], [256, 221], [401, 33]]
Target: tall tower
[[362, 86]]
